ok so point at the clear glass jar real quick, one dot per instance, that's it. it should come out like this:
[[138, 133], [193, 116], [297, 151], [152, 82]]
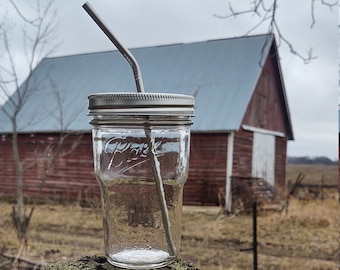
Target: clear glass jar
[[141, 148]]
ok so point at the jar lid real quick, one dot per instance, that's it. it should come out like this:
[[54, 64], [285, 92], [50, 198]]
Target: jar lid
[[141, 104]]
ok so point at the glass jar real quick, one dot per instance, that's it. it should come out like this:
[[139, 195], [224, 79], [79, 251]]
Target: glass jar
[[141, 148]]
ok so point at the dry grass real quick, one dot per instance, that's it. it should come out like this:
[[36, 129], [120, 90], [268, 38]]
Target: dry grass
[[313, 173], [305, 239], [60, 232]]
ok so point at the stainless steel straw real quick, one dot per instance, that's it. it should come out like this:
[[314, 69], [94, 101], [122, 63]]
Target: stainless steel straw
[[151, 143], [124, 51]]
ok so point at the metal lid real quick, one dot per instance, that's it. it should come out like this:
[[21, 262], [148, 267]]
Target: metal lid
[[141, 104]]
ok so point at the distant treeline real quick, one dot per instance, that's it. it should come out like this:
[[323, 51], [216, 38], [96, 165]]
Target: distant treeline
[[310, 160]]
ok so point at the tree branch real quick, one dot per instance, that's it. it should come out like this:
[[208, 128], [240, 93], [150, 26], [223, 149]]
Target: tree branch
[[323, 2], [268, 14], [21, 15], [37, 33]]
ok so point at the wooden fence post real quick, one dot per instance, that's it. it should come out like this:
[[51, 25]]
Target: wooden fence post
[[322, 182], [255, 235]]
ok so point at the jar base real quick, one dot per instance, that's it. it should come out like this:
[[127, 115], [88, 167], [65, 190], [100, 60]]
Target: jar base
[[140, 259]]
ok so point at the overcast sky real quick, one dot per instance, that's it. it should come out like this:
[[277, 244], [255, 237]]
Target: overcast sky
[[312, 89]]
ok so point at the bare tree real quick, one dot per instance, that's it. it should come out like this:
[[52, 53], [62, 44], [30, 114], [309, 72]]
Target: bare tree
[[35, 33], [266, 13]]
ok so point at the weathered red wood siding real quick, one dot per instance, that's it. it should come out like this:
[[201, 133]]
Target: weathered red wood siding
[[207, 172], [7, 170], [242, 162], [266, 109], [71, 177], [243, 147], [280, 163]]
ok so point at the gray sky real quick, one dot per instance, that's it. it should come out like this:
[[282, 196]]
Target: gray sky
[[312, 88]]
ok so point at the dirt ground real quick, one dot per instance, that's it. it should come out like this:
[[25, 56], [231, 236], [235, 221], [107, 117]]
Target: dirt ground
[[307, 238]]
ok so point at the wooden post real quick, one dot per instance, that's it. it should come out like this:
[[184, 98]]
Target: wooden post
[[322, 182], [255, 235], [288, 193]]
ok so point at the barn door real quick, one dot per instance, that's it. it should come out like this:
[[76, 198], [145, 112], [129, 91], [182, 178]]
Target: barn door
[[263, 161]]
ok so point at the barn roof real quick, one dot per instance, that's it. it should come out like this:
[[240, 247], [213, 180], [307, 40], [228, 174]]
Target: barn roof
[[221, 73]]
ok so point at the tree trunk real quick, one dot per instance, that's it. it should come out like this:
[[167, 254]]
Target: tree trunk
[[18, 213]]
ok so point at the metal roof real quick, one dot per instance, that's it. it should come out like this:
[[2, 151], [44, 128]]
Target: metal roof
[[222, 73]]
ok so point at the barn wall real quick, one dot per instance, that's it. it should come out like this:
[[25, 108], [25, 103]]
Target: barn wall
[[70, 178], [207, 172], [266, 108], [242, 162], [243, 148], [280, 163], [7, 170]]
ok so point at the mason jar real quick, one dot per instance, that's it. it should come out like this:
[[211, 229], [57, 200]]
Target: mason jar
[[141, 145]]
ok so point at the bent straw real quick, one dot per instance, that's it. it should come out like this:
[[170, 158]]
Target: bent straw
[[151, 143], [125, 52]]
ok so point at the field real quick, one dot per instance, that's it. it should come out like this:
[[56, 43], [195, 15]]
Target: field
[[307, 238], [313, 173]]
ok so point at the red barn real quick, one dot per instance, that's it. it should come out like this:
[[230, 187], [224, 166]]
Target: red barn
[[240, 130]]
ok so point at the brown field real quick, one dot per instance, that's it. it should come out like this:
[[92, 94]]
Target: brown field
[[313, 173], [307, 238]]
